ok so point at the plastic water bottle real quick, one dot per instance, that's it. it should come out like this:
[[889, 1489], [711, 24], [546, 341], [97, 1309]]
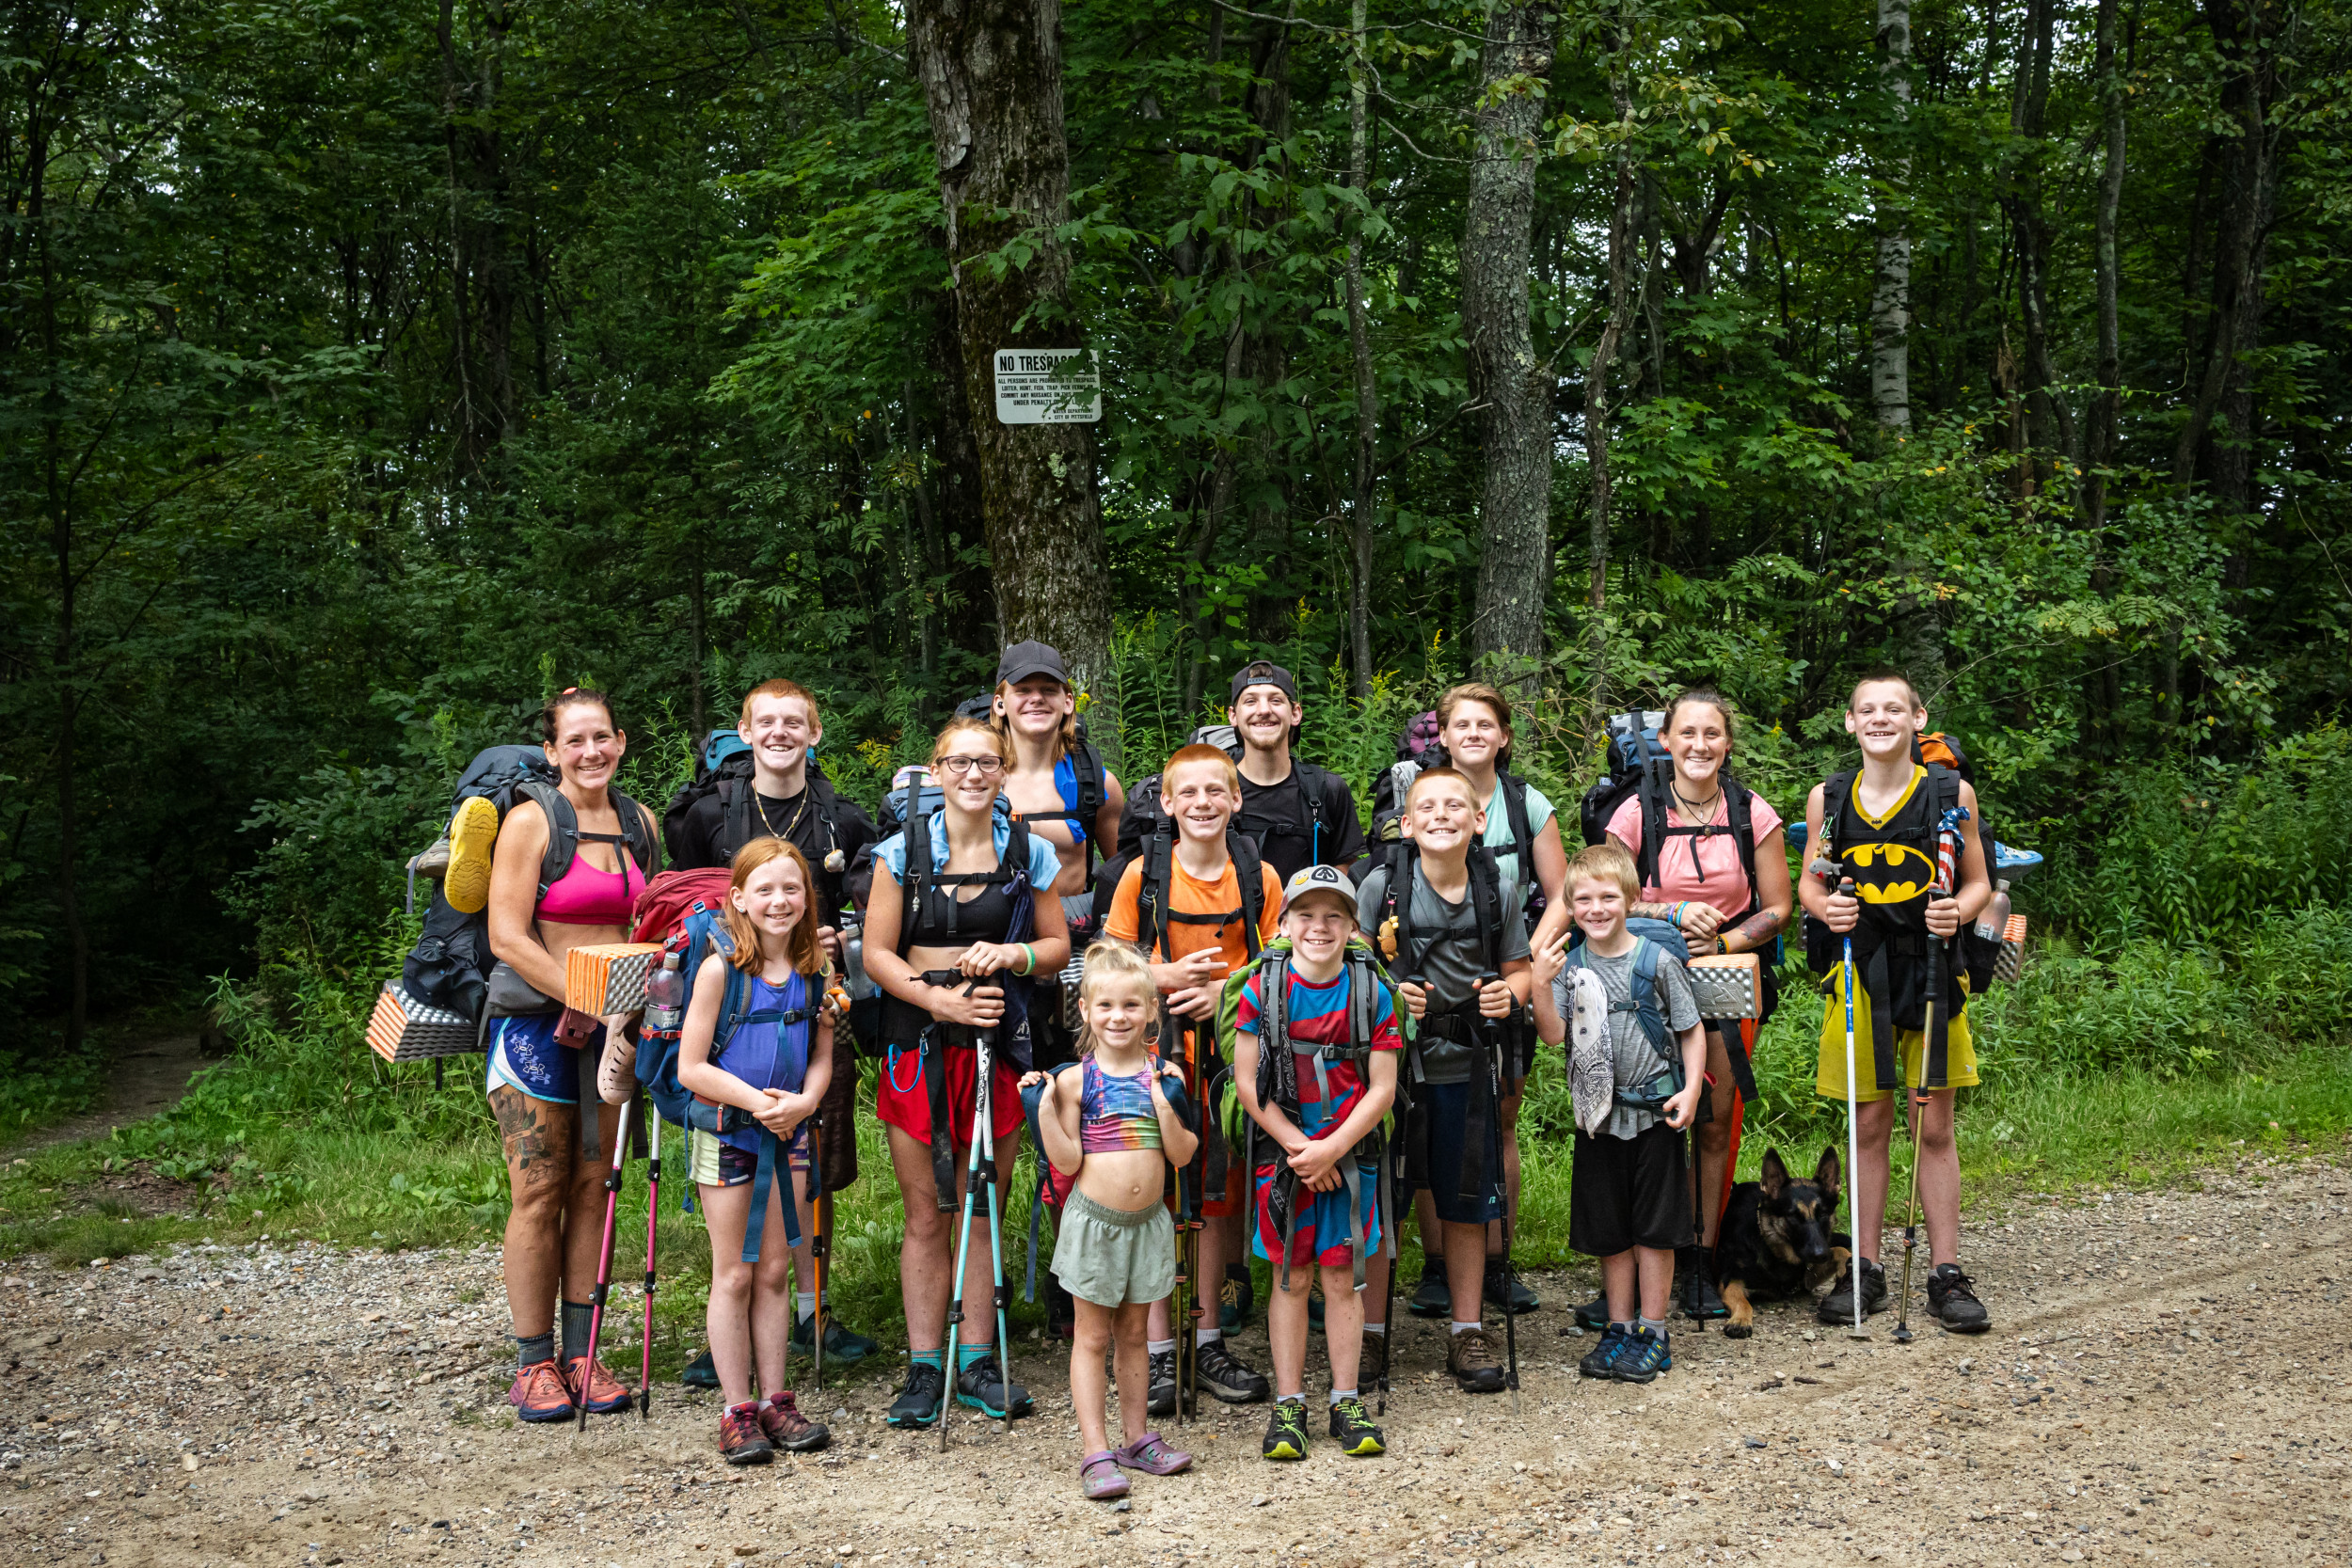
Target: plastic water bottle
[[665, 997], [1993, 920]]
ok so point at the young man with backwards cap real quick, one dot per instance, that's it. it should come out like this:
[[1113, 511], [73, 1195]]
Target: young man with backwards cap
[[1299, 815]]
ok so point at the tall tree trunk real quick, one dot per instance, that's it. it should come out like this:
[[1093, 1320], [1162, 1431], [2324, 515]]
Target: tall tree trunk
[[1890, 298], [1359, 346], [1623, 239], [1514, 497], [991, 80], [2053, 423], [2107, 409], [1266, 495], [955, 475], [65, 654]]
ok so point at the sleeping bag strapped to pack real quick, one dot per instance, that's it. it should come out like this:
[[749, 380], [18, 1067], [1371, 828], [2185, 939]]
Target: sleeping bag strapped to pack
[[451, 962]]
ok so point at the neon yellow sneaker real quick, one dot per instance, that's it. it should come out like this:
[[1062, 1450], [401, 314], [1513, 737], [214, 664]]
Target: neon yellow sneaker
[[473, 833]]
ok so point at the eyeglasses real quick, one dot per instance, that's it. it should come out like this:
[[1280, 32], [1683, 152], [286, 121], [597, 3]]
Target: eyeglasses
[[956, 768]]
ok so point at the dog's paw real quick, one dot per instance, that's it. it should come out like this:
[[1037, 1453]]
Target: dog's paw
[[1738, 1331]]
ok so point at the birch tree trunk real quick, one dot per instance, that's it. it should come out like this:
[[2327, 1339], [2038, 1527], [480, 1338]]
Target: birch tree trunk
[[991, 79], [1890, 299], [1359, 345], [1515, 502]]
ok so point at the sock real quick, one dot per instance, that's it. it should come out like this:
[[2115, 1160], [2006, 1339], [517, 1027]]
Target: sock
[[1376, 1328], [929, 1357], [575, 1319], [1654, 1325], [530, 1351], [1625, 1328], [1207, 1336], [1339, 1394], [967, 1355], [1465, 1328], [1291, 1398], [1159, 1347], [808, 1307]]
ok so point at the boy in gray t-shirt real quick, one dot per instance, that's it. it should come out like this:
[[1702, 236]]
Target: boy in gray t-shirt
[[1629, 1200]]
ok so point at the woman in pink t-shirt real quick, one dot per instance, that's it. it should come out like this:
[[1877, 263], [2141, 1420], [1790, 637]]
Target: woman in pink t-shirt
[[1695, 876]]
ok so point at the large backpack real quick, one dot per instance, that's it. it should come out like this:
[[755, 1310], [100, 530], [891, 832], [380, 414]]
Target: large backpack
[[1635, 764], [450, 966], [724, 769], [1419, 745], [1085, 764]]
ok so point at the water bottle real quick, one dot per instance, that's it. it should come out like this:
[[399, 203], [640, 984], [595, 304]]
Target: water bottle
[[854, 978], [1993, 920], [665, 997]]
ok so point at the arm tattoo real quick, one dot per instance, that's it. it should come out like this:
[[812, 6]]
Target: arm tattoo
[[1759, 927], [1641, 910]]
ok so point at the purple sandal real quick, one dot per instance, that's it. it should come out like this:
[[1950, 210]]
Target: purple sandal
[[1099, 1480], [1153, 1457]]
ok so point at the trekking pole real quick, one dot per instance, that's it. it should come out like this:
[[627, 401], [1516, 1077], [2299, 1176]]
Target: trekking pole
[[653, 1215], [816, 1249], [1388, 1285], [964, 1227], [604, 1258], [1188, 1265], [1915, 1101], [984, 1114], [1826, 868], [1495, 1049]]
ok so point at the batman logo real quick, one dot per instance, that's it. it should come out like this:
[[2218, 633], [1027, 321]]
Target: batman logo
[[1885, 873]]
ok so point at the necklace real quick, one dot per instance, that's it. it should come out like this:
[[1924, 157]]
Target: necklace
[[759, 804], [1701, 810]]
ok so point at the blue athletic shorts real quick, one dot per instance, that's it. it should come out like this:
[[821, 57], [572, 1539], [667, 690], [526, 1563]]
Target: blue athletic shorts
[[524, 1056]]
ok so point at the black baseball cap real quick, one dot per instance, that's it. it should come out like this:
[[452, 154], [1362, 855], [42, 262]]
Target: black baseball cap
[[1024, 659], [1262, 672]]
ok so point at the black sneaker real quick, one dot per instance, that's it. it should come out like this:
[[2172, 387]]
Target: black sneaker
[[1353, 1431], [1520, 1298], [1952, 1301], [844, 1345], [1163, 1400], [983, 1386], [1234, 1298], [1286, 1432], [917, 1404], [1433, 1297], [701, 1372], [1642, 1356], [1593, 1314], [1226, 1379], [1598, 1361], [1838, 1307], [1696, 1273]]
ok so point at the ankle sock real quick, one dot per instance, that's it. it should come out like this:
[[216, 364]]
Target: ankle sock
[[530, 1351], [1339, 1394], [1159, 1347], [1465, 1328], [807, 1307], [1291, 1398], [1381, 1329], [929, 1357], [1654, 1325], [1206, 1336], [577, 1318], [967, 1355]]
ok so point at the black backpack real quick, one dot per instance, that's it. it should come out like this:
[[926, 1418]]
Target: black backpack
[[730, 780], [450, 966], [1395, 784], [1637, 764], [1153, 916]]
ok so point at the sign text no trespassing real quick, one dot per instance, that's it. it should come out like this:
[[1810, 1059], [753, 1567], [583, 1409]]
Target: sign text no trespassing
[[1048, 386]]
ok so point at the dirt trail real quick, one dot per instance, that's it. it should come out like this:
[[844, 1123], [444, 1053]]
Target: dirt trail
[[2167, 1381], [145, 1079]]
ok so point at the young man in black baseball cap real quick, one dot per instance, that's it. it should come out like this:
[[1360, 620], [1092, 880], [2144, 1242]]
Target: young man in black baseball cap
[[1299, 815]]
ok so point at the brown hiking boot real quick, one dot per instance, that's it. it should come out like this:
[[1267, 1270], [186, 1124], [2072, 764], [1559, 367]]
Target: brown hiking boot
[[1372, 1364], [1472, 1362], [787, 1429]]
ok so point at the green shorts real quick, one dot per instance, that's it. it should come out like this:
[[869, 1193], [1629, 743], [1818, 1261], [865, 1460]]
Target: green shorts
[[1829, 1078], [1114, 1256]]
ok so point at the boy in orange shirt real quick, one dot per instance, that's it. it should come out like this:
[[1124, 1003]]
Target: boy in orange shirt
[[1185, 901]]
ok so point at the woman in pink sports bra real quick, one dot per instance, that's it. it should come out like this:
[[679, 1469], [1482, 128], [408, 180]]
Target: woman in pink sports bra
[[534, 1080]]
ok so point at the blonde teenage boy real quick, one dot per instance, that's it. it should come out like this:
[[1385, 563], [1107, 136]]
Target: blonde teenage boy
[[1315, 1213], [1182, 902], [1880, 823], [1629, 1204]]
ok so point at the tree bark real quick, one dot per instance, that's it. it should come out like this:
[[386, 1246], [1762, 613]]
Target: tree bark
[[1515, 500], [991, 80], [1890, 298], [1622, 243], [1359, 346], [2107, 409]]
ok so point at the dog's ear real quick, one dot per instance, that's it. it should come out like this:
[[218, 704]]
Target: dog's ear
[[1825, 1177], [1773, 1177]]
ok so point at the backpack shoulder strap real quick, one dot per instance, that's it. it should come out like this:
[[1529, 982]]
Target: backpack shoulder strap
[[1653, 826], [1523, 839], [1153, 891], [563, 831], [1943, 792], [735, 816], [1742, 834], [916, 883], [1364, 986], [644, 844], [1647, 957], [1836, 792], [1396, 895], [1250, 878], [1487, 903]]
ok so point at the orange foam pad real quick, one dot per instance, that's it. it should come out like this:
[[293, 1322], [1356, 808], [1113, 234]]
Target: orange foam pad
[[403, 1029], [1728, 984], [609, 978]]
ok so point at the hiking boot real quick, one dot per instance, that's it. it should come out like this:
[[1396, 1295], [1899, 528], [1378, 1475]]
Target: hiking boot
[[1952, 1301], [1472, 1362], [603, 1393], [1695, 1273], [701, 1372], [1593, 1314], [982, 1384], [1234, 1299], [1226, 1379], [1163, 1398], [1433, 1297], [917, 1404], [787, 1429], [1598, 1361], [743, 1440], [540, 1394], [1152, 1456], [1353, 1431], [473, 832], [1285, 1432], [1642, 1356], [1838, 1307], [1520, 1299], [844, 1345], [1372, 1365]]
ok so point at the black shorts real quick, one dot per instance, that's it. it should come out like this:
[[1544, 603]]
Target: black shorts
[[1628, 1193]]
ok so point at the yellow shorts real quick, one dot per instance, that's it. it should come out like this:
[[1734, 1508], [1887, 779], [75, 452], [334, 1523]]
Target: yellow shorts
[[1829, 1080], [713, 1163]]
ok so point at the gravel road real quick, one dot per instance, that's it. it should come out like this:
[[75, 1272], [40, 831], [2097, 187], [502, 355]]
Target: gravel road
[[2167, 1381]]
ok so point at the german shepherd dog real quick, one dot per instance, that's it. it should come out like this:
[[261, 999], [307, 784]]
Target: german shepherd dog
[[1776, 1242]]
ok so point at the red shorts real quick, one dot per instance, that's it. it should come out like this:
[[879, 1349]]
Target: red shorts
[[904, 1100]]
